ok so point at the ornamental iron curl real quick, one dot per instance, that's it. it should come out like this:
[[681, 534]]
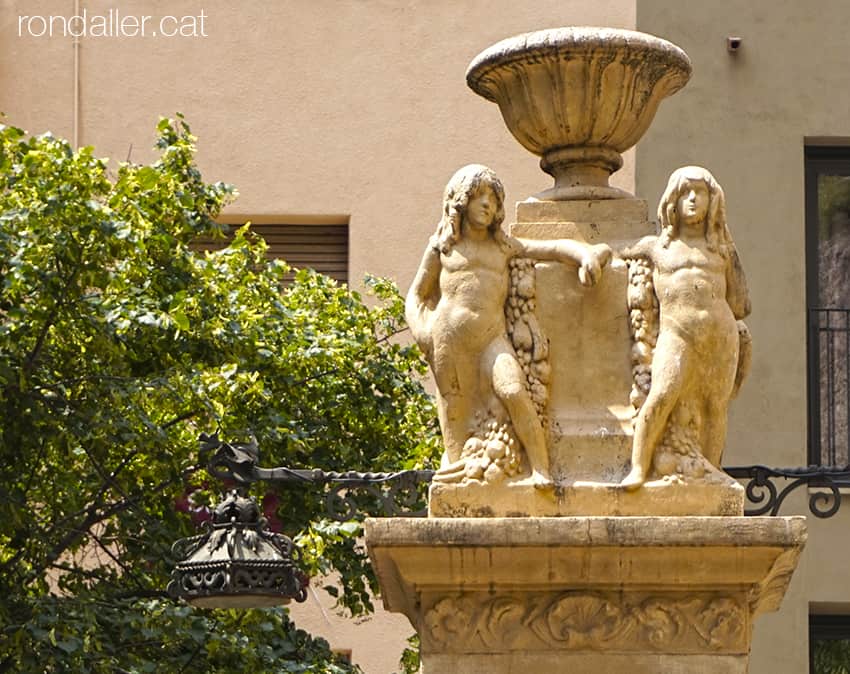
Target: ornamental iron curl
[[768, 498]]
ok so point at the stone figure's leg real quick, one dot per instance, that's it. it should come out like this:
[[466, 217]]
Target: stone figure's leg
[[455, 415], [714, 430], [669, 374], [456, 396], [717, 394], [730, 363], [449, 455], [509, 385], [454, 412]]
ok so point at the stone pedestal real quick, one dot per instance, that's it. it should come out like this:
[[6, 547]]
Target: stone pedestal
[[584, 594], [556, 541]]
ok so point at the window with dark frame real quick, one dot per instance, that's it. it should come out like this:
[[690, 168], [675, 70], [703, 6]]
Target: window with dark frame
[[320, 247], [829, 644], [828, 303]]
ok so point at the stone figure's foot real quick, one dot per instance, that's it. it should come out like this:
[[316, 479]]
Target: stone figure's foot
[[633, 480], [541, 480], [452, 472]]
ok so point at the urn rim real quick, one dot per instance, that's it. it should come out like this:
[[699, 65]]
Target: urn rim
[[565, 40]]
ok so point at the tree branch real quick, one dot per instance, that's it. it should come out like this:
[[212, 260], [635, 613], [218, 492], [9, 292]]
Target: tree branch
[[77, 532], [29, 361], [178, 419]]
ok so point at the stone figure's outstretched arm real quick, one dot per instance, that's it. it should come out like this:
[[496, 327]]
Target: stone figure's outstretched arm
[[737, 292], [424, 293], [641, 249], [590, 259]]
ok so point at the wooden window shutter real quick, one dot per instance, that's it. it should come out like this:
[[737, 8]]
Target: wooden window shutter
[[320, 247]]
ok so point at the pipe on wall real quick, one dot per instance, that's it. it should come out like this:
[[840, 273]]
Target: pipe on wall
[[76, 105]]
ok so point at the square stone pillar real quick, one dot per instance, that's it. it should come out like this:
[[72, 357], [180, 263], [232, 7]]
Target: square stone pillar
[[589, 413], [640, 595]]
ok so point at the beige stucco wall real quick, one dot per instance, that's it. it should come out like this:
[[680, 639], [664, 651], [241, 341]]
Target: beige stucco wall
[[326, 108], [745, 117]]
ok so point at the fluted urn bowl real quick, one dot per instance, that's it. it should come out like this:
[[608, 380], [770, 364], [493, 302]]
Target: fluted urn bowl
[[578, 97]]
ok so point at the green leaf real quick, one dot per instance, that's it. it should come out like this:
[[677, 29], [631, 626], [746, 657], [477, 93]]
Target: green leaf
[[147, 177], [180, 320], [69, 645], [351, 528]]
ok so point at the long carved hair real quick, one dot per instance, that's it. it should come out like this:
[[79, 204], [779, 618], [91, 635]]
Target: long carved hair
[[716, 231], [462, 187]]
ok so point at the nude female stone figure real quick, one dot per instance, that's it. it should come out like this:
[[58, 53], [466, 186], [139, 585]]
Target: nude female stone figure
[[455, 309], [701, 291]]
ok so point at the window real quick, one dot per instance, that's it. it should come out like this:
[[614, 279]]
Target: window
[[828, 303], [829, 644], [323, 247]]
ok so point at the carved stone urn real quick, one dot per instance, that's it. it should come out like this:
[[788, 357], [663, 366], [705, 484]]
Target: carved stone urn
[[578, 97]]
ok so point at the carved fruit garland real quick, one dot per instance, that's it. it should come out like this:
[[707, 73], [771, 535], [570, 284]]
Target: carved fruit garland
[[529, 342], [643, 327]]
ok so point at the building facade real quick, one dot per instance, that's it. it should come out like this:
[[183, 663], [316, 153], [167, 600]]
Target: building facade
[[354, 113]]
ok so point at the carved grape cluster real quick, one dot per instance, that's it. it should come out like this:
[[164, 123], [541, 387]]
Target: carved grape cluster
[[679, 452], [531, 346], [643, 325], [492, 454]]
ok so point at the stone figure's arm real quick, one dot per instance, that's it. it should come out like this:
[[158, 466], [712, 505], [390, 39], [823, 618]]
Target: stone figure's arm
[[737, 292], [424, 292], [643, 248], [590, 259]]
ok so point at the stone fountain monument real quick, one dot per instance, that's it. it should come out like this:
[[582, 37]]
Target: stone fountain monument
[[584, 362]]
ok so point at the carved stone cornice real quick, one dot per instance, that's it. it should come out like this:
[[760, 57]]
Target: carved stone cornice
[[595, 621], [420, 561]]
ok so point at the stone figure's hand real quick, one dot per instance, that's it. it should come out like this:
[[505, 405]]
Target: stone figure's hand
[[590, 270]]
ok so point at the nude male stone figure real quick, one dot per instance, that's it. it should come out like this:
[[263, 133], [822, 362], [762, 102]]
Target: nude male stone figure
[[702, 292], [455, 309]]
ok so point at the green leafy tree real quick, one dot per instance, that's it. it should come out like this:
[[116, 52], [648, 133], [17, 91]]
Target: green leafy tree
[[119, 344], [831, 656]]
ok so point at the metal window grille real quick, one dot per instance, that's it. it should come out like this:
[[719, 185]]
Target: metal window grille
[[827, 193], [829, 370]]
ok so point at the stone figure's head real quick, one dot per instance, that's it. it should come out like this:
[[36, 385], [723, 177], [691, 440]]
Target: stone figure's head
[[465, 184], [699, 181]]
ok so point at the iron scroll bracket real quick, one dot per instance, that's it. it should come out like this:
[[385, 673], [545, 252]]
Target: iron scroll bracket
[[763, 492]]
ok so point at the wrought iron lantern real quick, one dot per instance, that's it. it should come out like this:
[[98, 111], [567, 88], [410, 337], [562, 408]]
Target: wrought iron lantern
[[237, 562]]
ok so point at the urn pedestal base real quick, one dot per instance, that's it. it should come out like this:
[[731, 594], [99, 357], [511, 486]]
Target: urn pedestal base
[[720, 496], [584, 594]]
